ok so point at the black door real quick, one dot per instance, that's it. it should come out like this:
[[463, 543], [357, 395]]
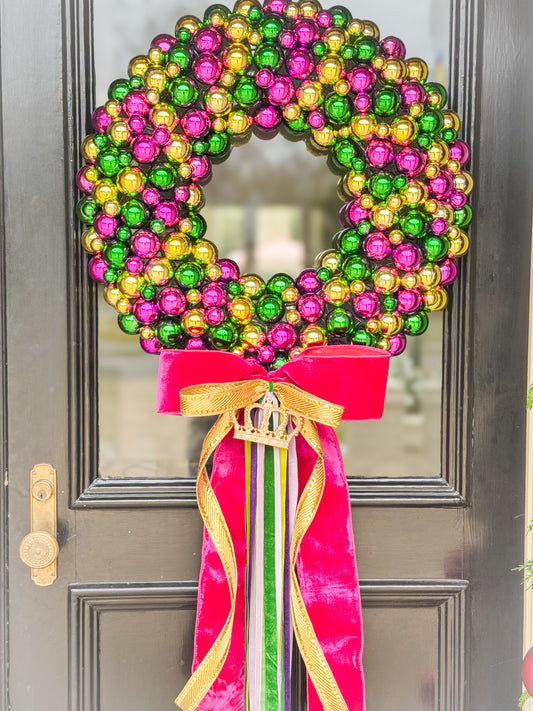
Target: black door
[[437, 487]]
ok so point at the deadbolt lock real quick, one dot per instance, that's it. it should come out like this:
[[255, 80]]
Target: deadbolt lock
[[39, 549]]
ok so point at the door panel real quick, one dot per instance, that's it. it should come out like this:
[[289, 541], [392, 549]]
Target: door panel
[[443, 613]]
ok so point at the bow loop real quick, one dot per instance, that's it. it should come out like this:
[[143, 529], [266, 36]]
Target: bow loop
[[308, 406], [218, 398]]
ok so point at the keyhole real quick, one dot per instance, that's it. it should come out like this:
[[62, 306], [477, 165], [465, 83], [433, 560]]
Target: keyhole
[[42, 490]]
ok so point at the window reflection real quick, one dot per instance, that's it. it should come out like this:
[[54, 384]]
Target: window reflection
[[272, 208]]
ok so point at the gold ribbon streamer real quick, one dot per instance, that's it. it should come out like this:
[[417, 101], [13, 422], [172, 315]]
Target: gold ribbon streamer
[[222, 399]]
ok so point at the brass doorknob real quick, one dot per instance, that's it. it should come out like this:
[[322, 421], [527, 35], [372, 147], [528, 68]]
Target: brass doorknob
[[39, 549]]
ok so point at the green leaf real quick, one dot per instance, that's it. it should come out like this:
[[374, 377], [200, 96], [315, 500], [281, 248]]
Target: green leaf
[[530, 397], [522, 700]]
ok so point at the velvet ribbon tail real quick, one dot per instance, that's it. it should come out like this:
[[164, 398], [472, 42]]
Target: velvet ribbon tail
[[326, 569]]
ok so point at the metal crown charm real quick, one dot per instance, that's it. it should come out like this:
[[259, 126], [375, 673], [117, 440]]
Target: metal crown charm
[[276, 437]]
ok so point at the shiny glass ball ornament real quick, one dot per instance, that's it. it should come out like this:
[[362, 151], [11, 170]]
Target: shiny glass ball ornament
[[317, 74]]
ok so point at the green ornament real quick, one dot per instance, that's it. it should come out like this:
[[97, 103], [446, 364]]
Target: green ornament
[[219, 9], [299, 125], [115, 254], [111, 275], [390, 303], [343, 153], [134, 213], [183, 92], [124, 158], [223, 336], [449, 135], [425, 140], [198, 228], [271, 27], [279, 361], [435, 248], [168, 333], [413, 224], [163, 176], [218, 145], [278, 283], [339, 322], [189, 274], [200, 147], [100, 140], [355, 269], [136, 82], [463, 216], [386, 101], [269, 308], [381, 186], [347, 241], [118, 89], [86, 210], [157, 226], [268, 56], [435, 88], [347, 52], [361, 337], [180, 55], [320, 48], [123, 234], [364, 227], [246, 92], [416, 324], [324, 274], [338, 108], [431, 122], [148, 292], [399, 182], [255, 14], [235, 288], [358, 164], [108, 163], [366, 48], [341, 16], [184, 35], [128, 323]]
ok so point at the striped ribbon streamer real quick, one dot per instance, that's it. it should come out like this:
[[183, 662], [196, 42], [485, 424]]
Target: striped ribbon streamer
[[271, 498]]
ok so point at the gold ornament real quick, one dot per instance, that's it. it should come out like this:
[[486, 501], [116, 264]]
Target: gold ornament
[[386, 280], [430, 276], [354, 182], [130, 284], [436, 299], [241, 309], [411, 280], [336, 291], [237, 57], [363, 126], [335, 38], [252, 336], [403, 130], [176, 246], [179, 149], [164, 114], [309, 94], [112, 108], [252, 285], [396, 237], [205, 252], [383, 217], [156, 55], [313, 336], [89, 149], [194, 296], [459, 243], [188, 22], [237, 29], [130, 181], [104, 190], [159, 271], [451, 120], [238, 122], [156, 78], [357, 287], [309, 8], [217, 101], [194, 322], [370, 29], [119, 131], [290, 295], [394, 70], [138, 66], [391, 324], [463, 182], [111, 207], [417, 69], [330, 69]]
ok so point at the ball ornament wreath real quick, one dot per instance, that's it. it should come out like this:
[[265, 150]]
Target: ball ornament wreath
[[311, 73]]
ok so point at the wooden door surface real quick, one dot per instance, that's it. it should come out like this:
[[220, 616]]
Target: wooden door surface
[[442, 610]]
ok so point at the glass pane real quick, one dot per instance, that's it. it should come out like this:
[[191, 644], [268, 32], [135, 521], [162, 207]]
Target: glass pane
[[272, 210]]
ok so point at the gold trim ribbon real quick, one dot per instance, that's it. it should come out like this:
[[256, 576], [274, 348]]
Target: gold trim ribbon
[[223, 399]]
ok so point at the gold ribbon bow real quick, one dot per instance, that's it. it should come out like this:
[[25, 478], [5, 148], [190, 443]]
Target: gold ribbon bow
[[224, 399]]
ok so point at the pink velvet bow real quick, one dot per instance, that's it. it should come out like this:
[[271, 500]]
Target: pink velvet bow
[[351, 376]]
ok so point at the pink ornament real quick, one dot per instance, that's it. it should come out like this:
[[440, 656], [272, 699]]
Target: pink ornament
[[97, 268], [82, 182], [379, 153], [151, 196], [134, 265], [377, 246], [439, 226], [397, 344], [196, 123], [392, 47], [308, 281], [264, 78], [144, 149], [137, 124], [459, 151], [324, 18], [230, 271], [300, 64], [161, 135], [101, 120], [410, 161], [311, 307], [281, 91], [412, 92], [363, 102], [207, 68], [266, 354], [207, 39], [105, 225], [151, 345], [406, 257], [316, 119], [268, 117], [135, 103], [168, 212], [195, 344], [288, 39], [409, 301], [306, 32], [214, 315], [201, 168], [182, 193], [164, 42], [448, 270], [457, 199], [145, 311], [442, 185], [213, 295], [145, 244], [362, 78], [354, 213], [366, 305], [276, 6], [282, 336], [172, 301]]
